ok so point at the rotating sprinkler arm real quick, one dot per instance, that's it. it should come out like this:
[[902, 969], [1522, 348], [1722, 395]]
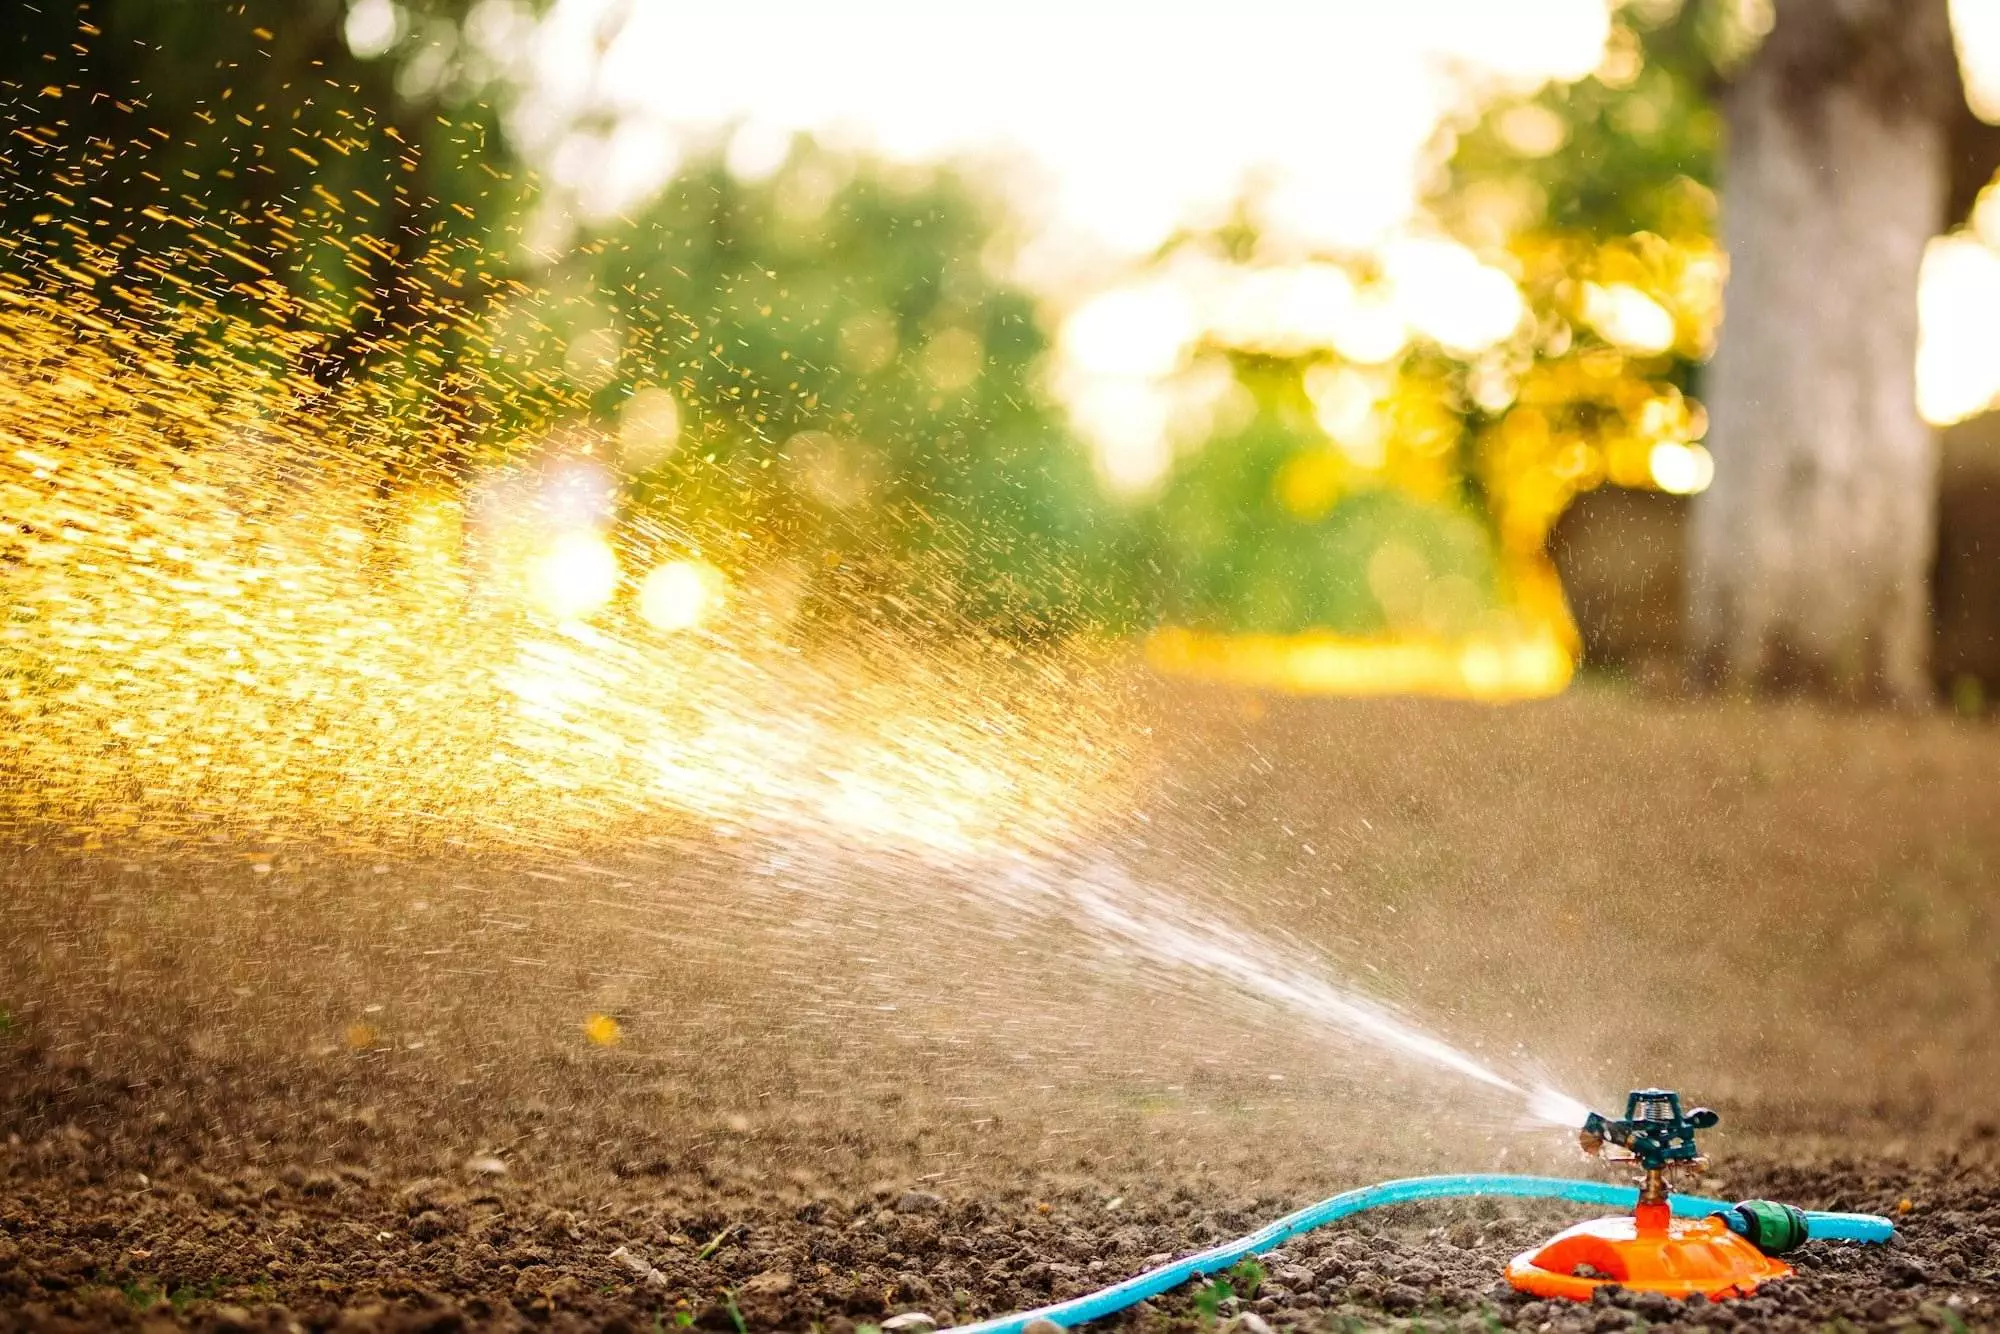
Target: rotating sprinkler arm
[[1655, 1134]]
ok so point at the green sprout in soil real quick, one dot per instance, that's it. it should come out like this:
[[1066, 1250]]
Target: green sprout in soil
[[140, 1294], [187, 1294], [1246, 1276], [1243, 1280], [143, 1295], [1210, 1299]]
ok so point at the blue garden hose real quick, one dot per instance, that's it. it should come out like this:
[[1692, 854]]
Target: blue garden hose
[[1093, 1306]]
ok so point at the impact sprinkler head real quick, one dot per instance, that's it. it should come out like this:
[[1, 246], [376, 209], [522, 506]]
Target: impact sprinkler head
[[1655, 1134], [1650, 1250]]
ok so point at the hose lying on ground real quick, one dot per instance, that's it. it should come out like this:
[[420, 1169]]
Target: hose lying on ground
[[1095, 1305]]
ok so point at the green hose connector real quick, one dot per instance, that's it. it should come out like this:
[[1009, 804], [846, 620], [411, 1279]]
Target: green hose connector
[[1771, 1227]]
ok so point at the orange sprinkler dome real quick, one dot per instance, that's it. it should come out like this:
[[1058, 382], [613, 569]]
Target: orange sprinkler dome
[[1648, 1251]]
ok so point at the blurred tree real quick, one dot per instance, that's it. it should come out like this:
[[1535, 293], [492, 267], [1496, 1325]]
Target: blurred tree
[[245, 154], [816, 370], [1598, 195], [1848, 147], [1811, 555], [1274, 527]]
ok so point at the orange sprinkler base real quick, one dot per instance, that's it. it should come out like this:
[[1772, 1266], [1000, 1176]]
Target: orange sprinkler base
[[1648, 1252]]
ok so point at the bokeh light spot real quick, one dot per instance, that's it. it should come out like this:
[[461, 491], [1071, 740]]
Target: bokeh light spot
[[679, 595], [575, 576], [1682, 469], [1628, 318]]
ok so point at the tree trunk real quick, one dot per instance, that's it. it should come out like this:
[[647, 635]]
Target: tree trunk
[[1811, 551]]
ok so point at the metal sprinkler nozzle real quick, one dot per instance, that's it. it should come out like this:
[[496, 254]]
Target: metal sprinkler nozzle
[[1655, 1134]]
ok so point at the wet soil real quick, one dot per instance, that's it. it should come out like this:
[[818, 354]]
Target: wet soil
[[355, 1248], [346, 1091]]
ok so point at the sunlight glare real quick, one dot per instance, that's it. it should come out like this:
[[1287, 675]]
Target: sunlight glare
[[1446, 294], [1131, 331], [1628, 318], [1976, 26], [1680, 469], [1958, 306], [575, 576], [1334, 119], [679, 594], [373, 27]]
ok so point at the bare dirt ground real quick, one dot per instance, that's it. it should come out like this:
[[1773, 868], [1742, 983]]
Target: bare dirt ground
[[279, 1087]]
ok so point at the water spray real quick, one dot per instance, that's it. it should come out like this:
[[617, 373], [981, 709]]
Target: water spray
[[1675, 1244]]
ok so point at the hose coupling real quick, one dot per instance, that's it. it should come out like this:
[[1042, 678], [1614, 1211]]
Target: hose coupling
[[1771, 1227]]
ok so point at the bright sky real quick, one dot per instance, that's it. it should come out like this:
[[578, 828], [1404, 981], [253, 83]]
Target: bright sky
[[1137, 117]]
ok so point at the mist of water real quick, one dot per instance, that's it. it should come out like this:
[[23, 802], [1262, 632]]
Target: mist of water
[[1169, 937], [262, 686]]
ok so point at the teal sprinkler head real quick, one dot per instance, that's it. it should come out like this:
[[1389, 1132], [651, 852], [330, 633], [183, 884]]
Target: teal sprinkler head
[[1659, 1137], [1654, 1133]]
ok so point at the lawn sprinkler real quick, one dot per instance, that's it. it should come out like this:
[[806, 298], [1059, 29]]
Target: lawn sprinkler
[[1724, 1254], [1670, 1243]]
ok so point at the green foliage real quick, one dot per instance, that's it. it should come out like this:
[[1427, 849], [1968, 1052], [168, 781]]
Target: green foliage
[[859, 395], [1247, 1277], [1243, 1280], [143, 1294], [1632, 148], [715, 1242], [241, 152], [1209, 1300], [1601, 191], [1247, 538], [855, 391], [1629, 149]]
